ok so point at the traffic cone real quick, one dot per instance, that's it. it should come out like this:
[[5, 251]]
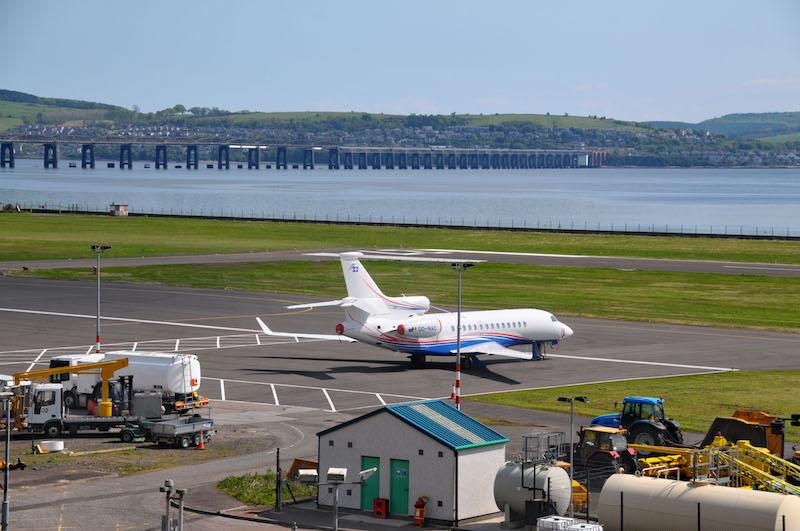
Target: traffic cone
[[202, 445]]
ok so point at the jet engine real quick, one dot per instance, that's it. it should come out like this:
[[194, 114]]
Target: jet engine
[[418, 328]]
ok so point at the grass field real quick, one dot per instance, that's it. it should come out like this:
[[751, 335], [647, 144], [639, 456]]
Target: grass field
[[259, 489], [29, 237], [789, 137], [693, 400], [652, 296]]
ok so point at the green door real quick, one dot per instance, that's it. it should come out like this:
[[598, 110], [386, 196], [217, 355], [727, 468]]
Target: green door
[[371, 488], [398, 487]]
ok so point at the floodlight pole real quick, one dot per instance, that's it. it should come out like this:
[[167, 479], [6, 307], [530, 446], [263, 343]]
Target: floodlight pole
[[571, 401], [98, 250], [459, 267]]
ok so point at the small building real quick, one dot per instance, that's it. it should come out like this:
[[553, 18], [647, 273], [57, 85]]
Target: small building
[[426, 448], [118, 210]]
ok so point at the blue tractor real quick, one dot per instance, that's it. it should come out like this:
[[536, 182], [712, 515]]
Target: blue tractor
[[644, 421]]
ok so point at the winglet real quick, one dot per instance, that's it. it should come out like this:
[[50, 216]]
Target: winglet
[[264, 326]]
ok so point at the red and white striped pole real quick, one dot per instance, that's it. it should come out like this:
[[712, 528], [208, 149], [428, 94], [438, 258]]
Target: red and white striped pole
[[457, 392]]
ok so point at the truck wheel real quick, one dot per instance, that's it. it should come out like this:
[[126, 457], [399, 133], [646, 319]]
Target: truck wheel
[[73, 430], [126, 436], [52, 429], [184, 442], [70, 400]]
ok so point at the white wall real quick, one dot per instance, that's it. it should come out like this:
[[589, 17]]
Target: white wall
[[477, 468], [387, 437]]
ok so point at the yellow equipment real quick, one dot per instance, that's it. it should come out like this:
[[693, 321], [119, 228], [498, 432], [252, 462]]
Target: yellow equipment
[[105, 369]]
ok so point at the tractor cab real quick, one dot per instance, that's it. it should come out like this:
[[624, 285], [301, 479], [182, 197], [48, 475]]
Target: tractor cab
[[604, 446], [644, 420]]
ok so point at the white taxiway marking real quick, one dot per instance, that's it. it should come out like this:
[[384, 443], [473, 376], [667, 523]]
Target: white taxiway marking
[[258, 340], [330, 402], [133, 348], [36, 360], [383, 402], [217, 341], [274, 394], [177, 343], [222, 389], [766, 268], [89, 350], [126, 319], [509, 253], [639, 362]]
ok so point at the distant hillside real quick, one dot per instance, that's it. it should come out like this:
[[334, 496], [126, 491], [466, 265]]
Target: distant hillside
[[769, 126], [18, 108]]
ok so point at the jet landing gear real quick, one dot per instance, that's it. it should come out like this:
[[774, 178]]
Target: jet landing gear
[[418, 361], [471, 362]]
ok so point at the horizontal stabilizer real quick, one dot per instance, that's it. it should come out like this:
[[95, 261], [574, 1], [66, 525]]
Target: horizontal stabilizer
[[338, 302], [324, 337], [495, 349]]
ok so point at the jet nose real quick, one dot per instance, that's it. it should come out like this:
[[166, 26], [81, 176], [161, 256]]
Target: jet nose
[[565, 331]]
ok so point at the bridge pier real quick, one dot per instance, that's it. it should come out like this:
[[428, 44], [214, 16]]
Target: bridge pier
[[389, 160], [484, 161], [50, 155], [7, 154], [451, 161], [440, 161], [191, 156], [473, 161], [505, 161], [253, 158], [87, 156], [514, 161], [427, 161], [281, 158], [125, 158], [224, 157], [308, 158], [402, 160], [375, 160], [362, 160], [415, 161], [348, 160], [161, 157], [333, 159], [523, 161]]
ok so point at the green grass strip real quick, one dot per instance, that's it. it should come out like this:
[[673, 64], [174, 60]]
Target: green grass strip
[[30, 237], [695, 401]]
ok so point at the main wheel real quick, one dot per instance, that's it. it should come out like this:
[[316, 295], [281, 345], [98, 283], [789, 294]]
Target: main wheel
[[418, 360], [52, 429]]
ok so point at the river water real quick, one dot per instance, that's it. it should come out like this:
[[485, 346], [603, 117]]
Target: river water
[[705, 200]]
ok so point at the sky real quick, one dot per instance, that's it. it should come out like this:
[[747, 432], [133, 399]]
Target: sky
[[635, 60]]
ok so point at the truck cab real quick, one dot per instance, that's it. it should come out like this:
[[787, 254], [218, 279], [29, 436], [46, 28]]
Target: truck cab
[[45, 410]]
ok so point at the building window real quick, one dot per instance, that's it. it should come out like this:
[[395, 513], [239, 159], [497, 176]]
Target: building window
[[349, 444], [441, 453], [349, 492], [330, 490], [330, 442], [439, 503], [421, 452]]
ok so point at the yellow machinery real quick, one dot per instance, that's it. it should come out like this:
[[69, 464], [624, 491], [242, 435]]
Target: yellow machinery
[[105, 369], [738, 465]]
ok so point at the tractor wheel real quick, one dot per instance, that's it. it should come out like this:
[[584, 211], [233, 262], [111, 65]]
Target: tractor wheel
[[646, 434]]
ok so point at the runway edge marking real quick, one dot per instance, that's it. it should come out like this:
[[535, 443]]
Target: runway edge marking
[[642, 362]]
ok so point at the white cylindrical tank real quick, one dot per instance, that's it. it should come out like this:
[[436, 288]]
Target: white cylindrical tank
[[653, 504], [159, 371], [509, 489]]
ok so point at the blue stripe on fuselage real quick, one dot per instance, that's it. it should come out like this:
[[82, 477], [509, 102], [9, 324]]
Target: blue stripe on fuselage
[[445, 348]]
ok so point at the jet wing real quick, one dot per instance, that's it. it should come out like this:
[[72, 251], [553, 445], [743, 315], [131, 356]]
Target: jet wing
[[325, 337], [496, 349]]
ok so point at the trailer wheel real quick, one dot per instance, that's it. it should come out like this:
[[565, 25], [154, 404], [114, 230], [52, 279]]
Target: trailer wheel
[[184, 442], [52, 429], [73, 430], [126, 436]]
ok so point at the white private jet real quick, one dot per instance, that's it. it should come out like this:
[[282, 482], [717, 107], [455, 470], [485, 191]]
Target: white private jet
[[402, 325]]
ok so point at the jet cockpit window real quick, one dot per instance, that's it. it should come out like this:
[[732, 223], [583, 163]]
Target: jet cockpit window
[[553, 318]]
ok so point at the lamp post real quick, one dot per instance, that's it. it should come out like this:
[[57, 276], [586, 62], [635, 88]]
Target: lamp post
[[98, 250], [459, 267], [6, 398], [572, 401]]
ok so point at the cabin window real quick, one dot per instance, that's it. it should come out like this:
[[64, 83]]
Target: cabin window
[[525, 323], [452, 328]]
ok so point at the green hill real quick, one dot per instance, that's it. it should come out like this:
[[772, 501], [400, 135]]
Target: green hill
[[768, 126], [17, 108]]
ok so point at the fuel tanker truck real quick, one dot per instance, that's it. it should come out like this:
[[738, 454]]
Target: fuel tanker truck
[[175, 376]]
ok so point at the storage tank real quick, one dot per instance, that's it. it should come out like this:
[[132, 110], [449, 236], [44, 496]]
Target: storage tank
[[653, 504], [509, 489], [170, 373]]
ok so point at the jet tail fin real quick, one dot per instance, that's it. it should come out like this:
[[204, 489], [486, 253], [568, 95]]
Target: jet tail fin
[[359, 284]]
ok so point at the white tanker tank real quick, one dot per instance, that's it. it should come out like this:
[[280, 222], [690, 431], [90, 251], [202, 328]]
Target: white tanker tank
[[176, 376], [550, 482], [654, 504]]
